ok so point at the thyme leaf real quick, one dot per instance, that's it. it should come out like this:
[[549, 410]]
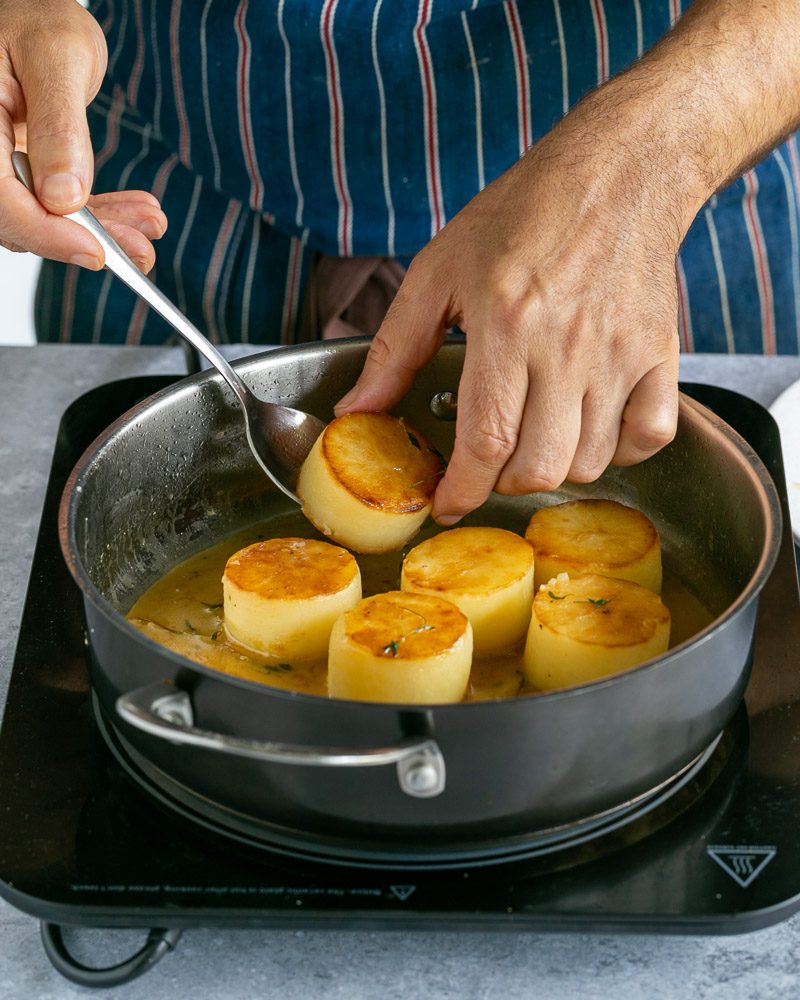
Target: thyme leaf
[[277, 668], [393, 648], [599, 602], [555, 597]]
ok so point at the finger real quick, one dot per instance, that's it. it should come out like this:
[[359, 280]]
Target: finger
[[29, 226], [58, 76], [135, 245], [150, 221], [601, 417], [11, 246], [24, 222], [12, 105], [491, 396], [549, 432], [134, 196], [408, 338], [650, 418], [26, 225]]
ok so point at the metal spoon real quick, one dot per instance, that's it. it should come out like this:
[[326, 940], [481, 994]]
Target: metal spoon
[[279, 436]]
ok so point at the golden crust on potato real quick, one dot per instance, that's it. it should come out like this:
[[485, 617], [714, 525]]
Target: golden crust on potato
[[595, 536], [368, 482], [467, 561], [402, 626], [381, 461], [486, 572], [600, 610], [282, 596], [291, 568], [400, 647]]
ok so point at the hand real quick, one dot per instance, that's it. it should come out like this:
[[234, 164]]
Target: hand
[[562, 275], [52, 59]]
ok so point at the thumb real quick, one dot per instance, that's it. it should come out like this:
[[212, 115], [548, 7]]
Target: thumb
[[58, 82], [410, 335]]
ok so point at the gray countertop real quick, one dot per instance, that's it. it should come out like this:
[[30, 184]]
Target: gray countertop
[[36, 384]]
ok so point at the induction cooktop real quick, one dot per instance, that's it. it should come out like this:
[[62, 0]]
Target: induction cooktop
[[85, 841]]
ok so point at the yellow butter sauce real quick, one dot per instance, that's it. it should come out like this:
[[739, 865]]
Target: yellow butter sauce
[[183, 611]]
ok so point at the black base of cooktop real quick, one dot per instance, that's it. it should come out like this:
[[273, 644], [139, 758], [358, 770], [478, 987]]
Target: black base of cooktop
[[80, 843]]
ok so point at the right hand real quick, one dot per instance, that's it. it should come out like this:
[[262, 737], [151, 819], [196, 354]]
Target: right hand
[[52, 60]]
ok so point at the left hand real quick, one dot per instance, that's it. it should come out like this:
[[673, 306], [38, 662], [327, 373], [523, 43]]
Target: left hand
[[562, 275]]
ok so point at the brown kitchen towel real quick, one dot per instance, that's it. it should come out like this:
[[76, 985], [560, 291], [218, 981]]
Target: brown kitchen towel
[[348, 296]]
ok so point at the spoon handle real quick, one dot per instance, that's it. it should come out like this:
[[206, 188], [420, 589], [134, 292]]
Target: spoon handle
[[119, 262]]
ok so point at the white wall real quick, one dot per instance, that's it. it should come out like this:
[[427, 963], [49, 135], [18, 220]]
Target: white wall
[[18, 273]]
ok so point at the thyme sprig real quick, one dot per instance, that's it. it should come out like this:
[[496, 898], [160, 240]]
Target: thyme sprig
[[393, 648], [419, 482]]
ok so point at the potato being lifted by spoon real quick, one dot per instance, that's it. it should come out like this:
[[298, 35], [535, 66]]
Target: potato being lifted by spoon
[[368, 482]]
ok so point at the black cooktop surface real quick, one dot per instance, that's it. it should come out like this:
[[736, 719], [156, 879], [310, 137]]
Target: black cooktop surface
[[82, 843]]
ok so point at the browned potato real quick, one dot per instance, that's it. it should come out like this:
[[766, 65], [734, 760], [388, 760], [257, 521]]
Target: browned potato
[[368, 482], [283, 595], [595, 536], [400, 647], [586, 627], [487, 573]]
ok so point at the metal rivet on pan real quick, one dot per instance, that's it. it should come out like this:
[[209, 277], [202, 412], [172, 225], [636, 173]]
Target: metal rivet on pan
[[422, 777], [444, 405], [422, 773]]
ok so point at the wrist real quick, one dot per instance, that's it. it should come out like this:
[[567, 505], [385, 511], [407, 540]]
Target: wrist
[[633, 161], [709, 101]]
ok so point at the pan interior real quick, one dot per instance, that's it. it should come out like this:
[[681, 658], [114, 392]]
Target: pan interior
[[176, 476]]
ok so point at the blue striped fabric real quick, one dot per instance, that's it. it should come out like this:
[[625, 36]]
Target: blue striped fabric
[[271, 130]]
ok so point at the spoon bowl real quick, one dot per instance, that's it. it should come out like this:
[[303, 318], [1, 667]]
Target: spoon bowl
[[279, 437]]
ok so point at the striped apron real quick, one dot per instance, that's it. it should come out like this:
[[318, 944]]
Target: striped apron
[[274, 131]]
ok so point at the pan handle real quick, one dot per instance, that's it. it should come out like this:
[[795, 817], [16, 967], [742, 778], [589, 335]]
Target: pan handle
[[165, 711]]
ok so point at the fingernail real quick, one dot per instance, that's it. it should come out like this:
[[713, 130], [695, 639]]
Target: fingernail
[[86, 260], [152, 229], [446, 520], [61, 190]]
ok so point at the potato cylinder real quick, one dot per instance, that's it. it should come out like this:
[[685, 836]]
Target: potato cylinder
[[400, 647], [282, 596], [588, 627], [487, 573]]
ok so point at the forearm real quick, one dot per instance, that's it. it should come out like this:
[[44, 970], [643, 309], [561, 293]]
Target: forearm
[[715, 94]]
